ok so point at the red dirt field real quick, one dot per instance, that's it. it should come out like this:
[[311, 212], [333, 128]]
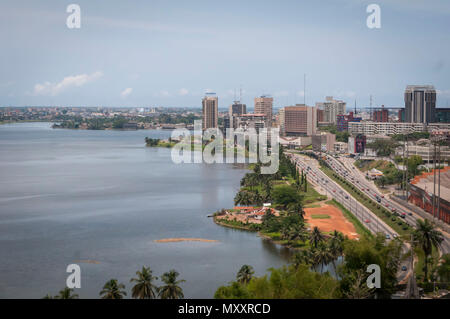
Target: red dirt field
[[337, 220]]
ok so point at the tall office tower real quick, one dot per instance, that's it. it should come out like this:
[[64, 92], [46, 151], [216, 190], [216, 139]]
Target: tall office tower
[[298, 120], [263, 105], [210, 106], [331, 109], [235, 110], [420, 104]]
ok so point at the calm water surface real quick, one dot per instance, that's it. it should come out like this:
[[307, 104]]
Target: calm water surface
[[69, 195]]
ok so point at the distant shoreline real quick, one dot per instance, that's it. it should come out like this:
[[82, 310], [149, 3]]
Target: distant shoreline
[[176, 240]]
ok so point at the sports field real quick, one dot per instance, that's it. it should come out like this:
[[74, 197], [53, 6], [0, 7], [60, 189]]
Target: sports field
[[328, 219]]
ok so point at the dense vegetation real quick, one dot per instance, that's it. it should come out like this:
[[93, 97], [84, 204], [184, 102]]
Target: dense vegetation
[[118, 122], [391, 175], [299, 280], [341, 136]]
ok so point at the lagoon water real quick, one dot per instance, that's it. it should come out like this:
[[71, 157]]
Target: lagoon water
[[74, 195]]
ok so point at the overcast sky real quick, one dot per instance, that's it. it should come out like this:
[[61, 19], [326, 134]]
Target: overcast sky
[[168, 53]]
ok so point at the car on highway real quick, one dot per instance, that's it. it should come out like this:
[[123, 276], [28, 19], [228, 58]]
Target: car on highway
[[410, 214], [395, 235], [404, 268], [346, 197], [367, 221], [388, 236], [403, 215]]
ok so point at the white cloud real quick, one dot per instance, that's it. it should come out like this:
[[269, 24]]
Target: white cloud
[[52, 89], [126, 92], [183, 92]]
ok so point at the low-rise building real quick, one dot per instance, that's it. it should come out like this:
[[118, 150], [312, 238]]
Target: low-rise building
[[341, 147], [293, 142], [392, 128], [356, 144], [421, 194], [323, 142]]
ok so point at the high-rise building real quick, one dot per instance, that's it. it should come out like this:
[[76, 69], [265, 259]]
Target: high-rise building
[[420, 104], [235, 110], [298, 120], [210, 107], [331, 109], [263, 105]]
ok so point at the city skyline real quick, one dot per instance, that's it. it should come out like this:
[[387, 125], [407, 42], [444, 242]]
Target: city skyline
[[168, 56]]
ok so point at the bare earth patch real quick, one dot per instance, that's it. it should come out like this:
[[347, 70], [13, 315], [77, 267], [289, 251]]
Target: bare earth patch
[[336, 220], [175, 240]]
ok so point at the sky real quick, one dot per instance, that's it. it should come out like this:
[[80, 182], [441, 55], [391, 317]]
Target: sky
[[143, 53]]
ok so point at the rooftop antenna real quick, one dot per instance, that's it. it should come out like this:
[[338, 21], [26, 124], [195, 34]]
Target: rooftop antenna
[[355, 107], [304, 89], [370, 108], [240, 94]]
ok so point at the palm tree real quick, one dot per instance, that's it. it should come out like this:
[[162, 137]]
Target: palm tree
[[66, 293], [113, 290], [144, 287], [316, 236], [359, 288], [245, 274], [48, 296], [171, 290], [303, 257], [428, 237], [268, 190], [336, 247], [243, 198], [297, 208], [322, 256]]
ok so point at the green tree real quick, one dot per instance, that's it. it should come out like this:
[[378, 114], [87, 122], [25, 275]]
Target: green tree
[[285, 195], [443, 269], [427, 237], [234, 291], [303, 257], [113, 290], [245, 274], [358, 288], [316, 237], [367, 251], [413, 163], [284, 283], [144, 287], [66, 293], [322, 256], [171, 289]]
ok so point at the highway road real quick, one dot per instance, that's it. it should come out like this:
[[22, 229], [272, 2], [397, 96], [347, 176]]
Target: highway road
[[345, 168], [371, 221]]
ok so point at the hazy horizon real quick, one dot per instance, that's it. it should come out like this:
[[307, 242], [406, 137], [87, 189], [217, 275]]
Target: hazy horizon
[[169, 54]]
